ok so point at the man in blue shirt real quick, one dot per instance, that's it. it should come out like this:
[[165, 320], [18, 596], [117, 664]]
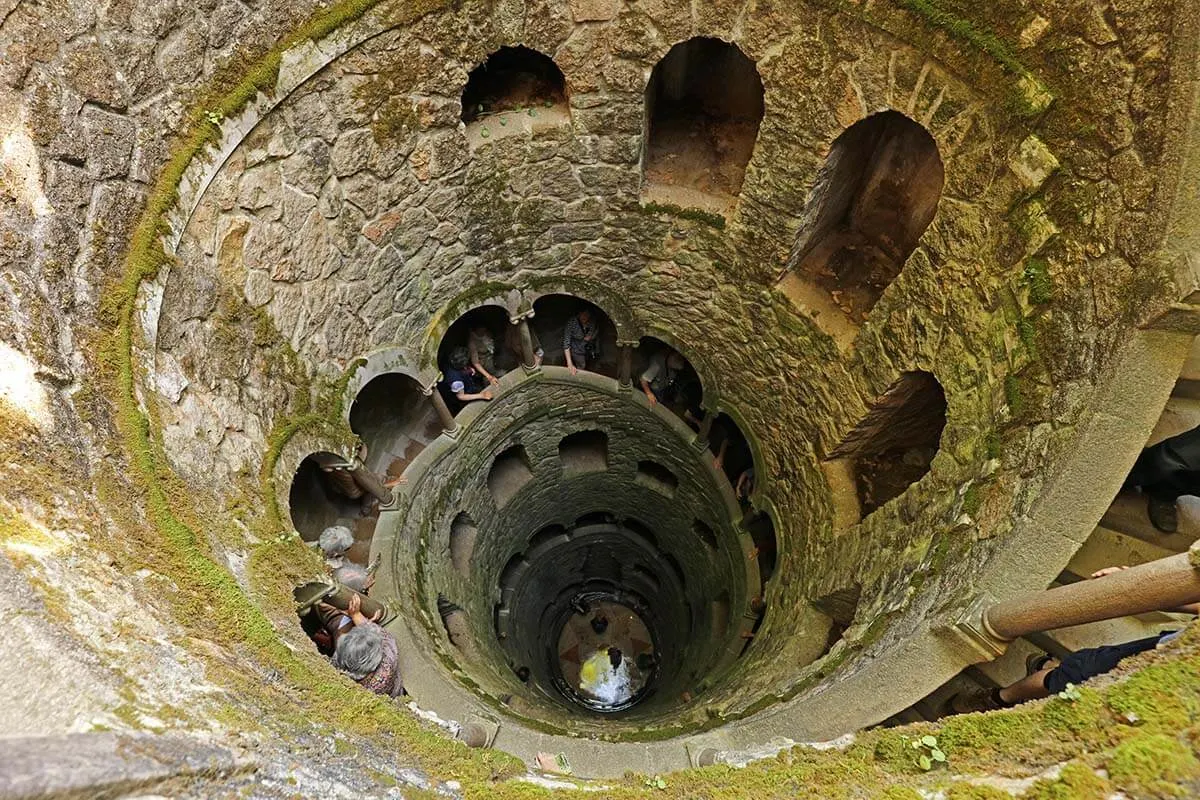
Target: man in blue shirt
[[462, 380]]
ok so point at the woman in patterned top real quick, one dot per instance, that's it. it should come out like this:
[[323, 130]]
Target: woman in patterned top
[[363, 650]]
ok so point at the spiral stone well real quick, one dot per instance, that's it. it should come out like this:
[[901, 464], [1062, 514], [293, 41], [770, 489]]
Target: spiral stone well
[[934, 268]]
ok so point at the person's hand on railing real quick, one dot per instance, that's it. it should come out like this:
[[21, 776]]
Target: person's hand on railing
[[1100, 573]]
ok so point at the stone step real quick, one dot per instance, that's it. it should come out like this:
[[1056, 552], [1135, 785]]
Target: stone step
[[1109, 548], [1127, 515], [1182, 413]]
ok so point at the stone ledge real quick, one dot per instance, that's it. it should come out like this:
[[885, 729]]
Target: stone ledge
[[95, 765]]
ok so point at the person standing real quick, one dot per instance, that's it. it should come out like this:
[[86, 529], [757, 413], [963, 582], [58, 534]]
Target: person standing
[[580, 340]]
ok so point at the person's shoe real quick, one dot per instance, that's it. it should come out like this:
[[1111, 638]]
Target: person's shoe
[[1035, 662], [975, 700], [1163, 514]]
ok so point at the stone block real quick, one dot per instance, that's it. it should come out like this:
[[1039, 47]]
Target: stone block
[[594, 10]]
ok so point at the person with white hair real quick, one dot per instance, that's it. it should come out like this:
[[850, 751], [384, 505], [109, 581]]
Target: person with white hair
[[334, 542], [362, 649]]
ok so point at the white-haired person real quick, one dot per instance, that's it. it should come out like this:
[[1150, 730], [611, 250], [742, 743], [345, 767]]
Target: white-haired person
[[362, 649]]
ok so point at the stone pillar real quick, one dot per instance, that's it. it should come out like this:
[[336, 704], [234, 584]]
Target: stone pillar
[[701, 440], [528, 357], [1158, 585], [370, 483], [625, 365], [449, 426]]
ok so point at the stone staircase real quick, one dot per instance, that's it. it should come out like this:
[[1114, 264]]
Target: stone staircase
[[1123, 537]]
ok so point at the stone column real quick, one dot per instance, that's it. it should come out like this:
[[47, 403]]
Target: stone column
[[370, 483], [528, 357], [449, 425], [1155, 586], [701, 440], [624, 365]]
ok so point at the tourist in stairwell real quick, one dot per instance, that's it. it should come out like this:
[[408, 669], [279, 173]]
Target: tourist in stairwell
[[462, 381], [581, 341], [1046, 675], [1165, 472]]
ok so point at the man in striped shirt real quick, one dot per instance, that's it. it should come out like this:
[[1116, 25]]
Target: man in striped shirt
[[579, 340]]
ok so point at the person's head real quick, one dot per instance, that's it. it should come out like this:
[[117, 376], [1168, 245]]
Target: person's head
[[585, 315], [460, 357], [614, 656], [353, 576], [359, 651], [675, 360], [523, 674], [599, 623], [335, 541]]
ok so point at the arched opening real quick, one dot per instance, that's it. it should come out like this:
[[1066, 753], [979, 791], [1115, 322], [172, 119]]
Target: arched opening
[[555, 313], [583, 451], [321, 496], [395, 420], [510, 471], [657, 477], [463, 532], [514, 81], [478, 349], [766, 547], [666, 377], [731, 450], [871, 201], [893, 446], [704, 104]]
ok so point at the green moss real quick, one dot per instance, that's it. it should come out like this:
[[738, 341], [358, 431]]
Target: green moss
[[1028, 336], [1076, 781], [1155, 764], [695, 214], [972, 500], [971, 791], [992, 445], [1036, 276], [1013, 395], [900, 793], [1162, 697]]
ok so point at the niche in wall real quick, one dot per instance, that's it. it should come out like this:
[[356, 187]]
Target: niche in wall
[[893, 446], [510, 471], [583, 451], [514, 79], [871, 201], [704, 104], [657, 477], [463, 532]]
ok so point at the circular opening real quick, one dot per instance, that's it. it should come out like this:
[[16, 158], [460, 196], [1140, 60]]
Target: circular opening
[[606, 659]]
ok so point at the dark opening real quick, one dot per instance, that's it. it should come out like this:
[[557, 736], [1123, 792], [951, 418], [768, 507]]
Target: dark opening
[[316, 501], [551, 315], [894, 445], [510, 471], [491, 343], [762, 532], [704, 104], [730, 449], [657, 477], [463, 532], [669, 377], [394, 418], [584, 451], [513, 78], [841, 607], [705, 534], [872, 200]]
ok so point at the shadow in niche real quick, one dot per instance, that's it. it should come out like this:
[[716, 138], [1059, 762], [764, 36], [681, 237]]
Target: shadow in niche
[[487, 341], [553, 312], [582, 452], [394, 418], [316, 501], [510, 472], [670, 378], [872, 199], [841, 607], [514, 79], [893, 446], [704, 104], [463, 532]]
